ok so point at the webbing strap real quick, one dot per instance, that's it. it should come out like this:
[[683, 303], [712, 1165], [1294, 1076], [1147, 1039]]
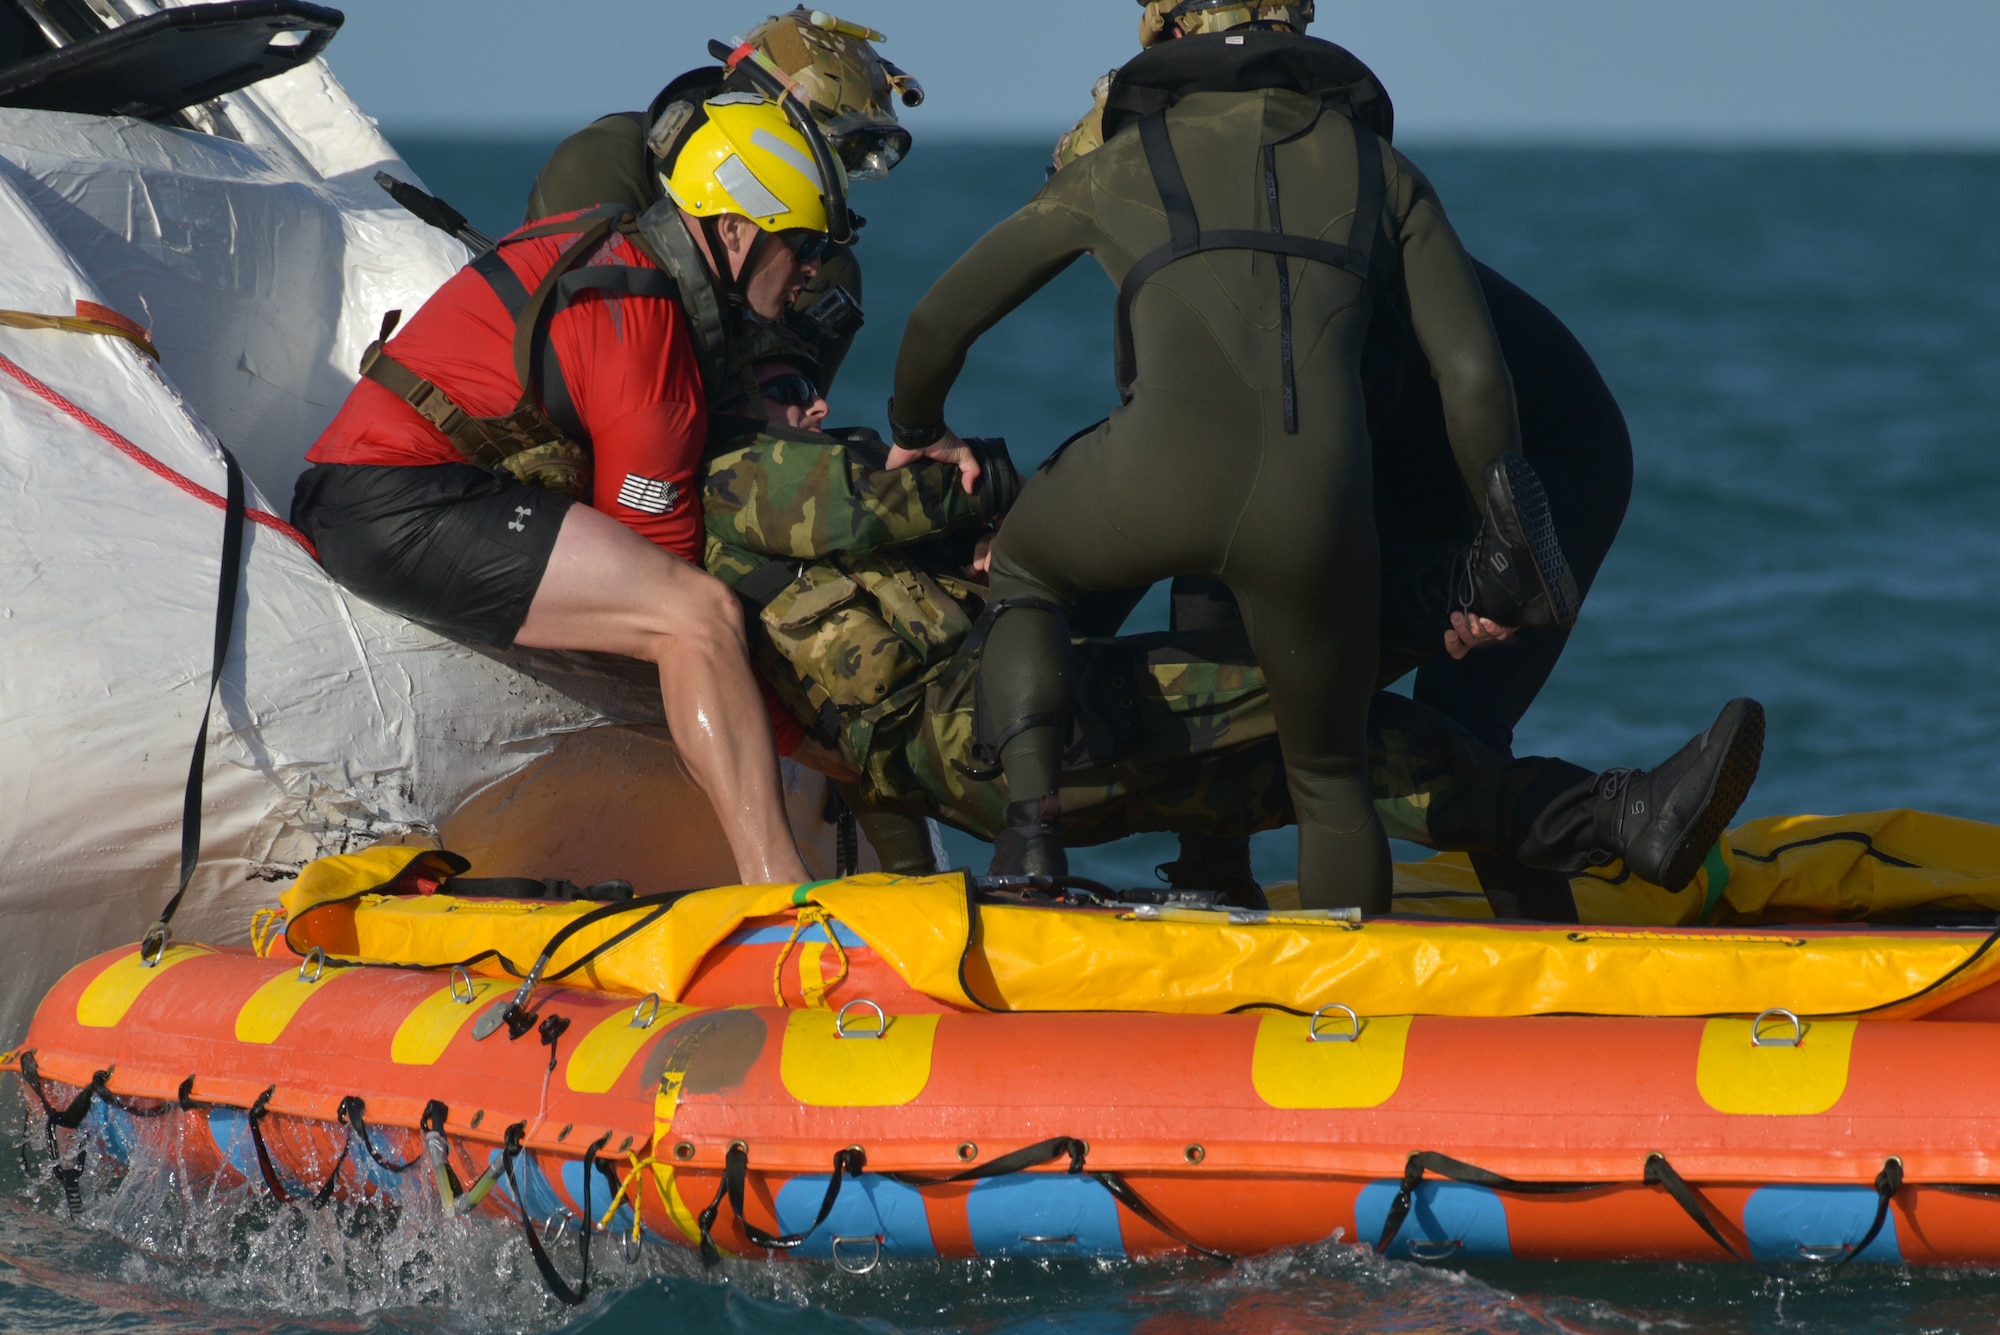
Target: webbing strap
[[1186, 236], [849, 1162], [1457, 1170], [552, 1279], [1121, 1191], [154, 943], [1016, 1161]]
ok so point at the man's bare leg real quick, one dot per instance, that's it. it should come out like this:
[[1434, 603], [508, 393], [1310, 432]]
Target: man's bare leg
[[608, 590]]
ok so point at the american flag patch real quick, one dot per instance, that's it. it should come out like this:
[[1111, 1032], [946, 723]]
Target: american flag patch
[[648, 495]]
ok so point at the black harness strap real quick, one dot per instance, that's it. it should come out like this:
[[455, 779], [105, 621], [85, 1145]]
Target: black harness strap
[[155, 940], [850, 1162], [552, 1278], [1186, 237], [255, 1118], [1121, 1191], [1016, 1161]]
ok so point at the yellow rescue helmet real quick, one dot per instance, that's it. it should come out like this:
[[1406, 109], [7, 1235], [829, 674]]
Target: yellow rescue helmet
[[745, 156]]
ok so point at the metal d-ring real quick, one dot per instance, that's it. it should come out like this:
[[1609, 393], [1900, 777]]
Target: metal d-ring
[[153, 945], [316, 961], [631, 1247], [1048, 1239], [555, 1228], [874, 1258], [640, 1009], [1433, 1251], [1821, 1255], [1353, 1034], [840, 1020], [471, 993], [1757, 1040]]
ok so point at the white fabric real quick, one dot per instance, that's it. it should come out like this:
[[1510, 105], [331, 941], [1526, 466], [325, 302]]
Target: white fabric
[[263, 267]]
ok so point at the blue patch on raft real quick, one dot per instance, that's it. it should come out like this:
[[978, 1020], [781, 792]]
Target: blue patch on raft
[[1044, 1214], [870, 1206], [1447, 1221], [1793, 1224], [777, 936]]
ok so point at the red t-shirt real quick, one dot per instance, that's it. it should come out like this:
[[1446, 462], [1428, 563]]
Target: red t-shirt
[[631, 371]]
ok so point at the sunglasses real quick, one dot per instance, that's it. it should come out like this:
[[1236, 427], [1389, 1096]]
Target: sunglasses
[[791, 389], [806, 246]]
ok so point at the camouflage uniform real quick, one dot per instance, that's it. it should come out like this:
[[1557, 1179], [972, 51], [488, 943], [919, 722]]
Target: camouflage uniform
[[1170, 731]]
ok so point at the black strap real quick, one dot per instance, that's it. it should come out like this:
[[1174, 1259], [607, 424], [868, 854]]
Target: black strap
[[850, 1162], [1186, 237], [255, 1118], [1121, 1191], [1457, 1170], [1887, 1183], [225, 620], [552, 1279], [1660, 1173]]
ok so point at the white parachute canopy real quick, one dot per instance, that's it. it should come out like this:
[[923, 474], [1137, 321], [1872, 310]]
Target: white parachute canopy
[[262, 264]]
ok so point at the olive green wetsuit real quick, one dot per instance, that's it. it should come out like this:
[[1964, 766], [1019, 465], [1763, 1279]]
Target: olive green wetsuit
[[1198, 472]]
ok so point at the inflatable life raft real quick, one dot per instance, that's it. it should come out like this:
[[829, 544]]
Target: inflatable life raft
[[905, 1068]]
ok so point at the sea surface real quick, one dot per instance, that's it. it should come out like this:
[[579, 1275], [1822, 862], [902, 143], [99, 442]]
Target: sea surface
[[1807, 348]]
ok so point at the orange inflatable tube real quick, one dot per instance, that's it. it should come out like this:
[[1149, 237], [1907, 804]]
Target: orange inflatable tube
[[896, 1127]]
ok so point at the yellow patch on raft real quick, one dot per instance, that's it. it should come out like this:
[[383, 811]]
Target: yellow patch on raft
[[1776, 1079], [111, 994], [1290, 1069]]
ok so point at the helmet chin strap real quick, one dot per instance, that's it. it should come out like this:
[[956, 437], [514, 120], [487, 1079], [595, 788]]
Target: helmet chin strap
[[731, 283]]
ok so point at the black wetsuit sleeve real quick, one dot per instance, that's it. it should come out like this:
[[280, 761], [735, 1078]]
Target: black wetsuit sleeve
[[1003, 269], [1448, 311]]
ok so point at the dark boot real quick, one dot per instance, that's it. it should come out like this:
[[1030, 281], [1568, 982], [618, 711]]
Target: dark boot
[[1215, 864], [1515, 572], [1662, 821], [1031, 845]]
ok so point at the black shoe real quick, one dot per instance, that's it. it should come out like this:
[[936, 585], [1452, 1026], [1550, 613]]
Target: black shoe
[[1662, 821], [1515, 572], [1222, 865], [1031, 845]]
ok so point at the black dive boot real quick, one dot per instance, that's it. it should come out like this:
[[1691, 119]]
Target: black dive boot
[[1515, 572], [1662, 821], [1215, 864], [1031, 845]]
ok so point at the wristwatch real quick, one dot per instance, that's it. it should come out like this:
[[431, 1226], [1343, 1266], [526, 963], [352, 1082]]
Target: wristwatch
[[913, 437]]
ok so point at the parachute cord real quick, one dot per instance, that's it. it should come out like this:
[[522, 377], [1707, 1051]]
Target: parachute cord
[[632, 1188], [810, 915], [266, 926]]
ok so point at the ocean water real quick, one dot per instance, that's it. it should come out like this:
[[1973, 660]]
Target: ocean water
[[1807, 347]]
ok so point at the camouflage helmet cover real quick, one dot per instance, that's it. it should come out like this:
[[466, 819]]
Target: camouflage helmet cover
[[850, 90], [1200, 16]]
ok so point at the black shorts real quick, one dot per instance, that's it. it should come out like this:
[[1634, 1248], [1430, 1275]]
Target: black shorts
[[457, 548]]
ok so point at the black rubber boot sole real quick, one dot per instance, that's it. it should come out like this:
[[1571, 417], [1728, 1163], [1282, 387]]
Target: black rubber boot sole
[[1744, 753], [1530, 504]]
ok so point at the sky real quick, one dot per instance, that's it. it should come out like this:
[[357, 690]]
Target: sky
[[1509, 71]]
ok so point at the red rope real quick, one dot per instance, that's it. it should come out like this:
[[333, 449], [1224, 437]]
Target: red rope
[[145, 460]]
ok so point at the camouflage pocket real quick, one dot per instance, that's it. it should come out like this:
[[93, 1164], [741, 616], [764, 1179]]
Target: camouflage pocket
[[556, 467], [913, 605], [830, 633]]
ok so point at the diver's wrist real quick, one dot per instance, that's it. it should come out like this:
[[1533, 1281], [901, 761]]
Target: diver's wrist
[[914, 437]]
